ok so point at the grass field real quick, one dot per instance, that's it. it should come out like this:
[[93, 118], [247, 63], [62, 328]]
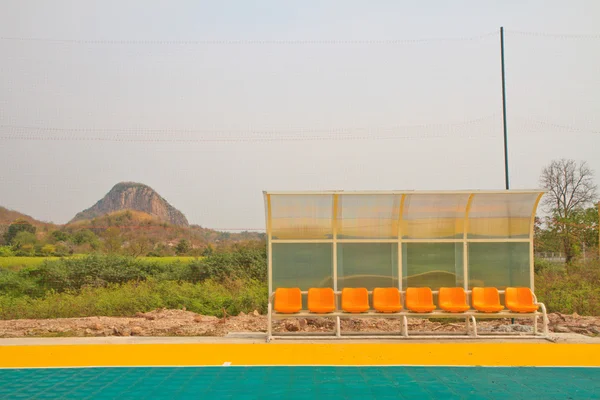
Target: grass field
[[21, 262]]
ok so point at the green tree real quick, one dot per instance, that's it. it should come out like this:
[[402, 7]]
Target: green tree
[[62, 251], [546, 239], [112, 240], [585, 229], [24, 244], [84, 236], [20, 225], [209, 250], [161, 250], [183, 247], [48, 250], [60, 236], [139, 246], [6, 251], [571, 189], [22, 238]]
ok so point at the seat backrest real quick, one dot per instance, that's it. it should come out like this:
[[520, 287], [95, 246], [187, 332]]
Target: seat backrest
[[418, 297], [486, 296], [518, 296], [288, 300], [452, 296], [386, 296], [355, 299], [321, 300]]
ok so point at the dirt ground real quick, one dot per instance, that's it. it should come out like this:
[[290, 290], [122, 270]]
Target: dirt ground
[[185, 323]]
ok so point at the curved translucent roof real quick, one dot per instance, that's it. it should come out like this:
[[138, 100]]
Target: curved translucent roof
[[401, 239], [406, 216]]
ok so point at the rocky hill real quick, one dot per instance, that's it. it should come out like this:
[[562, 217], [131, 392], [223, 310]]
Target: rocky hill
[[8, 216], [137, 197]]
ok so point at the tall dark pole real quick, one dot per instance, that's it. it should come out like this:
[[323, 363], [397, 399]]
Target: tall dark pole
[[504, 109], [512, 321]]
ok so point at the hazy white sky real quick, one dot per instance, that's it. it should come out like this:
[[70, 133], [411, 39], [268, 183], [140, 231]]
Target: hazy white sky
[[212, 102]]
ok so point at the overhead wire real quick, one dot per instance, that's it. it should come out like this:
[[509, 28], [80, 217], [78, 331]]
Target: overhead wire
[[537, 123], [419, 132], [250, 42], [145, 131], [554, 35], [216, 42]]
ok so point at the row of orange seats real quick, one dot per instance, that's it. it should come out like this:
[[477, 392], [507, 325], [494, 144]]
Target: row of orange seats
[[420, 300]]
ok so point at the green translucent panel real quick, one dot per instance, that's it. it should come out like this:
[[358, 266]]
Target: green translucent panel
[[432, 265], [499, 264], [367, 265], [303, 265]]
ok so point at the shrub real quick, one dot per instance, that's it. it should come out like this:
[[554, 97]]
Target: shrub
[[115, 285], [542, 265], [48, 250], [6, 251], [98, 270], [208, 298], [242, 264], [577, 290], [14, 284]]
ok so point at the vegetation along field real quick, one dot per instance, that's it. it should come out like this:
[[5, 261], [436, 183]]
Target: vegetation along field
[[126, 262], [21, 262], [114, 285]]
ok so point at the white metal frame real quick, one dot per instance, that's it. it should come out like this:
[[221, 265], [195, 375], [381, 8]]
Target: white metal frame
[[387, 192], [470, 317]]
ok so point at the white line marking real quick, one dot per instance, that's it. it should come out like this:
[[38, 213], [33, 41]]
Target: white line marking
[[227, 363]]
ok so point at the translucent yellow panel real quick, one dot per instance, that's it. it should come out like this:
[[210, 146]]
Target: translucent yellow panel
[[300, 217], [432, 265], [499, 265], [429, 216], [504, 215], [367, 265], [368, 216]]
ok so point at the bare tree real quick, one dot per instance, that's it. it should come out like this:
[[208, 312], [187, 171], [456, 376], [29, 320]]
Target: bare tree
[[571, 188], [139, 245]]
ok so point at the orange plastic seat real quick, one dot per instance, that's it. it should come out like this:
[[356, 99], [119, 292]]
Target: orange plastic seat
[[520, 299], [321, 300], [387, 300], [355, 300], [453, 299], [486, 299], [288, 300], [419, 300]]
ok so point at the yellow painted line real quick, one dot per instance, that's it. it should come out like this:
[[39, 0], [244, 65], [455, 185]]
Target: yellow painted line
[[462, 354]]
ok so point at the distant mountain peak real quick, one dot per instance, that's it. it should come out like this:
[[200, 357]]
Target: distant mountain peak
[[134, 196]]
